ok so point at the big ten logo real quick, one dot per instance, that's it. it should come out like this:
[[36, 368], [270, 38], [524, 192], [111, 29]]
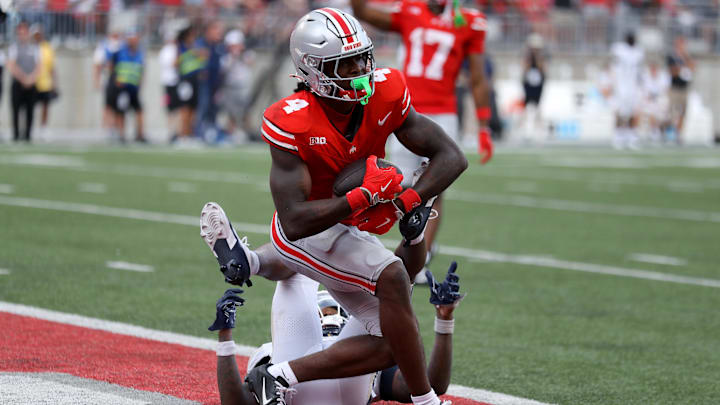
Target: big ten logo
[[317, 140]]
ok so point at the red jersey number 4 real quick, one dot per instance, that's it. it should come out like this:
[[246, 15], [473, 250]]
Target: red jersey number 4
[[293, 105]]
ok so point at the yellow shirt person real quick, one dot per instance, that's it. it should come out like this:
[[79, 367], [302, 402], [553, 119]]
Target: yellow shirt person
[[45, 69]]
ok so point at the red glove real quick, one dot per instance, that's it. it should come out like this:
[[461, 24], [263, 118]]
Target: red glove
[[378, 185], [485, 145], [378, 219]]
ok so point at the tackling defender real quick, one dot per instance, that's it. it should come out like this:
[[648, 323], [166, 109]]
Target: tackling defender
[[297, 330], [438, 36], [344, 111]]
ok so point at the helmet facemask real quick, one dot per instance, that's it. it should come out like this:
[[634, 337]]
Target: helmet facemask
[[332, 85]]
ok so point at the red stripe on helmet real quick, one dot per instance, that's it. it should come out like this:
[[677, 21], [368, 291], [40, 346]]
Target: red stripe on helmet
[[341, 22]]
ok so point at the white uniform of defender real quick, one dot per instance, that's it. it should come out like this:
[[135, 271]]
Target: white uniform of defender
[[296, 332], [407, 161]]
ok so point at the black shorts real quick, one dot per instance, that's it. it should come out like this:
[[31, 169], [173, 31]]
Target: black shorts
[[125, 98], [172, 102], [187, 92], [44, 97], [108, 94], [533, 93]]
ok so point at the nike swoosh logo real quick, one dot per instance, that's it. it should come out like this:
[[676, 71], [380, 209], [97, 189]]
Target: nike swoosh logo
[[383, 188], [382, 121], [266, 401], [384, 223]]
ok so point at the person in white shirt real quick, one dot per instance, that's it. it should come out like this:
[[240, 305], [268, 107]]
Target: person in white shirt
[[169, 78], [627, 90], [656, 103]]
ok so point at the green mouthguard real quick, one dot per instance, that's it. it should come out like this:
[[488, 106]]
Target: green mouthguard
[[363, 83], [458, 18]]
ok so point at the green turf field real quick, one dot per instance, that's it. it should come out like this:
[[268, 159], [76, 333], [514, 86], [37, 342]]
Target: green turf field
[[535, 232]]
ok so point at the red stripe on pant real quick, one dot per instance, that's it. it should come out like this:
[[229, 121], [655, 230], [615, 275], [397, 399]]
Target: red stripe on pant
[[310, 262]]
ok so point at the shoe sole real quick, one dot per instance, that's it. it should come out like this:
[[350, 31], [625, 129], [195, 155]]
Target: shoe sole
[[215, 225]]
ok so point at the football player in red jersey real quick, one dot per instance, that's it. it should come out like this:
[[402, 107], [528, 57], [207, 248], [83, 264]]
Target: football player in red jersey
[[438, 36], [344, 111]]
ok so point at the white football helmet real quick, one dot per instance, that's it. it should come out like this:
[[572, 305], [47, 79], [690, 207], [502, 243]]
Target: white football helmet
[[319, 42], [332, 316], [261, 356]]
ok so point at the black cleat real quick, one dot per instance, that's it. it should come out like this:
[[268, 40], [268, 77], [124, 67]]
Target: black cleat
[[231, 251], [268, 390]]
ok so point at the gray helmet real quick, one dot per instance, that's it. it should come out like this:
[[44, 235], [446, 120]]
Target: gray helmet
[[319, 41]]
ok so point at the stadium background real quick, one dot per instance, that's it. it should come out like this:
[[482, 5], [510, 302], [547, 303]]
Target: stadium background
[[592, 273]]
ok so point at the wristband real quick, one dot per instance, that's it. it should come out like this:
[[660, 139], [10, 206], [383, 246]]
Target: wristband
[[357, 199], [418, 239], [410, 199], [226, 348], [483, 113], [444, 326]]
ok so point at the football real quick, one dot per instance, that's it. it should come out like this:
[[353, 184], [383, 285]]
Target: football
[[352, 175]]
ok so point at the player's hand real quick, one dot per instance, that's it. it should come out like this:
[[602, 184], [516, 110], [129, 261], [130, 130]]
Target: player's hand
[[485, 145], [379, 184], [226, 307], [446, 294], [378, 219]]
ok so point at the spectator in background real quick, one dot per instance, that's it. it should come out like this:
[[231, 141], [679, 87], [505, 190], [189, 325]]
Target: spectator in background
[[533, 82], [681, 68], [191, 66], [210, 81], [101, 58], [237, 78], [627, 90], [169, 77], [23, 65], [656, 82], [46, 80], [127, 66]]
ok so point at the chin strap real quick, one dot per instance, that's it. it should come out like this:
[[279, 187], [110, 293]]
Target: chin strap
[[363, 83]]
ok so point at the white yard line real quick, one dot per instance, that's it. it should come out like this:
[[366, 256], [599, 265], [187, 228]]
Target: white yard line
[[4, 272], [657, 259], [180, 187], [493, 398], [538, 261], [119, 265], [582, 206], [95, 188], [7, 188]]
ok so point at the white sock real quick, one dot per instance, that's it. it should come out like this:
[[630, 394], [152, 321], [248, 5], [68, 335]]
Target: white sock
[[428, 399], [283, 370], [254, 261]]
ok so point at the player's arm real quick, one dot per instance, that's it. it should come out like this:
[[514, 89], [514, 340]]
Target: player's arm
[[371, 15], [445, 297], [290, 187], [481, 95], [233, 391], [425, 138]]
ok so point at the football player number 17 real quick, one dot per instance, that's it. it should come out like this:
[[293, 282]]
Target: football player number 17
[[419, 37]]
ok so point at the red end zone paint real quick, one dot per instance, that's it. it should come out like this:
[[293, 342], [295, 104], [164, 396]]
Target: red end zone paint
[[34, 345]]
